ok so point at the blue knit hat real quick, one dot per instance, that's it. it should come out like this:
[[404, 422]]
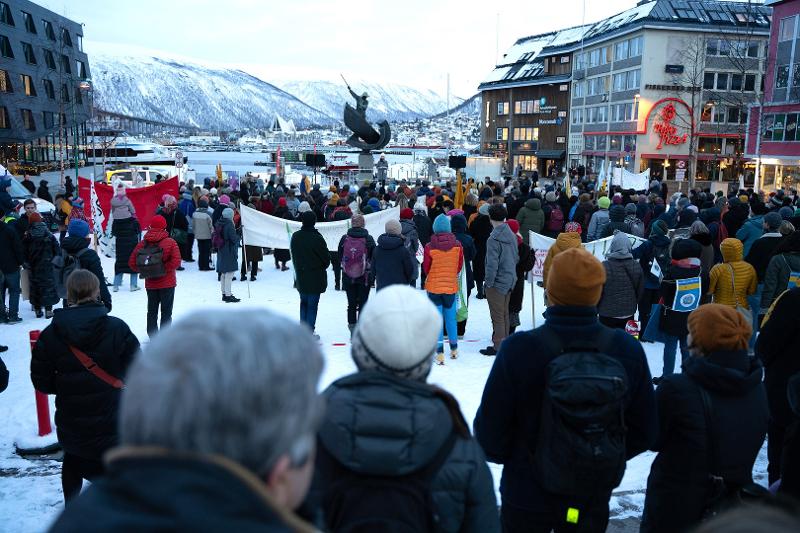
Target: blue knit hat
[[441, 224], [78, 228]]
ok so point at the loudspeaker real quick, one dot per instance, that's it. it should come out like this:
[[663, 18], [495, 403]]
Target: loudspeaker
[[315, 160], [457, 161]]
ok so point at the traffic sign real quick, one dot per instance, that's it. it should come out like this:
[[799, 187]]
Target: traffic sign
[[179, 164]]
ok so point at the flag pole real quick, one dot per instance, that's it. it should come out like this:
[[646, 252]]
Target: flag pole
[[244, 253]]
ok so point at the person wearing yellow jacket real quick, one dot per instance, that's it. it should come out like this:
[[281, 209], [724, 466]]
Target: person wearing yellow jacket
[[733, 280]]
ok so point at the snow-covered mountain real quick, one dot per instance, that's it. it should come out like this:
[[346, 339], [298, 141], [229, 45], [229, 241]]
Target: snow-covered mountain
[[470, 107], [173, 90], [395, 103]]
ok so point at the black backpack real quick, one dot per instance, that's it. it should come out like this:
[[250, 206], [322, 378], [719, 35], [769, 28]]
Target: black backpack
[[580, 448], [150, 261], [65, 264], [661, 255], [362, 503]]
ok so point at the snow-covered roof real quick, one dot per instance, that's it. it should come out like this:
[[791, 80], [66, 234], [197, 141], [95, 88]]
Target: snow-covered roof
[[617, 21]]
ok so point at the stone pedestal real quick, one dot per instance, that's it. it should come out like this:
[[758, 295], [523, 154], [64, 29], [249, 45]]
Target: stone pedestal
[[366, 163]]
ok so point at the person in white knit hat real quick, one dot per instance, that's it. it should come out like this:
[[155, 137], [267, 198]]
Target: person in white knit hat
[[384, 421]]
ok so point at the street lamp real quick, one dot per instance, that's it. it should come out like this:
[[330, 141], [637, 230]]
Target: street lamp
[[86, 87], [413, 158]]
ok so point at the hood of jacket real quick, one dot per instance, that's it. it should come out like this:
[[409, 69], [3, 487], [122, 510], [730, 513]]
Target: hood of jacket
[[408, 226], [703, 238], [387, 241], [443, 241], [712, 214], [616, 213], [732, 250], [565, 241], [82, 324], [37, 230], [534, 204], [358, 232], [620, 247], [383, 425], [156, 235], [73, 244], [731, 373], [660, 240], [504, 234]]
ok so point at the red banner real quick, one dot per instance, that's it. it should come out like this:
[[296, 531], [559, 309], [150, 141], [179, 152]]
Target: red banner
[[145, 199]]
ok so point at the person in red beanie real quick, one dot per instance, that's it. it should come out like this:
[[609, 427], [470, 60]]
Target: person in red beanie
[[160, 281], [410, 238]]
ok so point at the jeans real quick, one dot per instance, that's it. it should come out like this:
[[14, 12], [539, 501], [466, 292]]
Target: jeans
[[118, 280], [670, 348], [309, 304], [754, 302], [357, 295], [498, 311], [446, 304], [74, 470], [156, 298], [204, 254], [10, 281]]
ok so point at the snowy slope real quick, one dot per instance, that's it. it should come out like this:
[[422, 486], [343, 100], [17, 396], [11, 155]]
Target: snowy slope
[[395, 103], [469, 108], [173, 90]]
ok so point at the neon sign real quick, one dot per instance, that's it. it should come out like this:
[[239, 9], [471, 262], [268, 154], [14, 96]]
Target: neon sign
[[666, 130]]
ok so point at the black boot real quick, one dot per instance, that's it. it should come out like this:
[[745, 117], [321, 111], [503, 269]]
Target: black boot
[[38, 312]]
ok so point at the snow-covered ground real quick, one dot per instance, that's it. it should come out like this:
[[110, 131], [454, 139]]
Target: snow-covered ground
[[30, 491]]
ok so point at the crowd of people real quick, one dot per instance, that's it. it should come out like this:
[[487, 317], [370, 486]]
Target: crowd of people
[[563, 409]]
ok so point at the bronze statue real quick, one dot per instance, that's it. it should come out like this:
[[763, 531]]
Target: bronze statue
[[364, 136]]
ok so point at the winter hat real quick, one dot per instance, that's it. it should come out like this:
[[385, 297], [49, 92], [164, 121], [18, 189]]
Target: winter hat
[[406, 214], [78, 228], [787, 228], [303, 207], [576, 278], [202, 202], [374, 203], [514, 225], [34, 217], [158, 222], [227, 213], [213, 190], [224, 199], [393, 227], [698, 227], [603, 202], [773, 221], [121, 188], [441, 224], [718, 327], [786, 212], [620, 247], [617, 200], [630, 209], [308, 218], [498, 213], [358, 221], [692, 208], [484, 210], [397, 311], [686, 248], [683, 202], [573, 227], [168, 199], [281, 201], [659, 228], [550, 197]]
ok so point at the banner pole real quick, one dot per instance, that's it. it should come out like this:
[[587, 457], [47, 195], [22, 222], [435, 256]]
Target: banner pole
[[533, 301], [244, 252]]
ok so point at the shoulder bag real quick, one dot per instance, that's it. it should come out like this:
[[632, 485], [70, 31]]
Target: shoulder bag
[[89, 364]]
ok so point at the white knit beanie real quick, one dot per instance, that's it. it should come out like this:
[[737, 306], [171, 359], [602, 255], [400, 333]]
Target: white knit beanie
[[397, 333]]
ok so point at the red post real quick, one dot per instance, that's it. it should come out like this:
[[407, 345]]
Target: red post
[[42, 405]]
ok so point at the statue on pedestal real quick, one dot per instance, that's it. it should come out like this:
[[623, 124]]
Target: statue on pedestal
[[364, 137]]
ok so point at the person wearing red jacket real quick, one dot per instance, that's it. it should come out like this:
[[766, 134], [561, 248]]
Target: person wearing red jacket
[[160, 290]]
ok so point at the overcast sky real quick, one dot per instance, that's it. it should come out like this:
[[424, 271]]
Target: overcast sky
[[414, 42]]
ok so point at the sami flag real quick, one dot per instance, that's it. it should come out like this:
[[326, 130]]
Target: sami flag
[[794, 280], [687, 295]]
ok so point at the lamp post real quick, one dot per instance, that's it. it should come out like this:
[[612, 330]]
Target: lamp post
[[87, 87], [413, 158]]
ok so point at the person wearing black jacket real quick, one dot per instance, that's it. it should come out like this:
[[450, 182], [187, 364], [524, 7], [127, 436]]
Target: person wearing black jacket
[[479, 230], [311, 261], [712, 421], [424, 231], [391, 260], [86, 404], [127, 233], [11, 259], [357, 289], [40, 246], [776, 347], [43, 193], [75, 241], [458, 225], [508, 421], [176, 220]]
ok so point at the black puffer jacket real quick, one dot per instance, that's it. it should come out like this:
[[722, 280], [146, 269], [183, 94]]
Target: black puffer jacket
[[678, 484], [11, 256], [382, 425], [90, 261], [126, 231], [479, 230], [458, 224], [392, 262], [40, 247], [674, 323], [86, 406], [623, 288]]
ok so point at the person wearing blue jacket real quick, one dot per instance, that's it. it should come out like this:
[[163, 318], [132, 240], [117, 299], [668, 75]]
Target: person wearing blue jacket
[[391, 260], [753, 229], [508, 421]]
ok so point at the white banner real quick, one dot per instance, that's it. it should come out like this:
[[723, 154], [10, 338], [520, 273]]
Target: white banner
[[541, 244], [268, 231], [102, 238], [637, 182]]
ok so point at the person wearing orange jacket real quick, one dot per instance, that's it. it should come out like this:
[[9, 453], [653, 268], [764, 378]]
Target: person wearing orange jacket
[[442, 264], [160, 289]]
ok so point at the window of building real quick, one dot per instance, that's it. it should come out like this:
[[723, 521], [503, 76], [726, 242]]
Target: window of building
[[588, 142], [601, 143], [577, 116], [615, 143], [27, 119], [526, 107], [64, 93], [621, 50], [28, 85], [48, 119], [528, 162], [78, 95], [597, 86], [48, 30], [750, 82], [781, 76], [712, 47], [578, 89], [796, 75], [630, 143], [598, 56], [49, 60], [526, 134], [5, 14], [635, 47], [625, 112], [720, 114], [752, 49], [502, 134], [736, 82], [596, 115], [65, 66], [779, 127], [722, 81], [81, 69], [708, 80], [65, 37], [502, 108], [5, 123], [30, 57], [625, 81], [5, 82], [49, 89], [786, 31], [30, 25], [5, 47], [580, 61], [80, 42], [733, 115]]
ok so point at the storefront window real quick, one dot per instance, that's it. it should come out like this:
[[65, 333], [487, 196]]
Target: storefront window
[[767, 175], [588, 142], [790, 133], [630, 143], [615, 143], [601, 143], [780, 124], [769, 125], [528, 162]]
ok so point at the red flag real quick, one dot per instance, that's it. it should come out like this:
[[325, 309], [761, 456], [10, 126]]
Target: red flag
[[145, 200]]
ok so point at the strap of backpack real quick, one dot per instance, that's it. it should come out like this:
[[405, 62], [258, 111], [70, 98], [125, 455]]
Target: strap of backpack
[[89, 364], [434, 465]]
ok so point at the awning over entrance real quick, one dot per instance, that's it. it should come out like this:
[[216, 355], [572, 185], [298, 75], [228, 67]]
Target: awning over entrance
[[550, 154]]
